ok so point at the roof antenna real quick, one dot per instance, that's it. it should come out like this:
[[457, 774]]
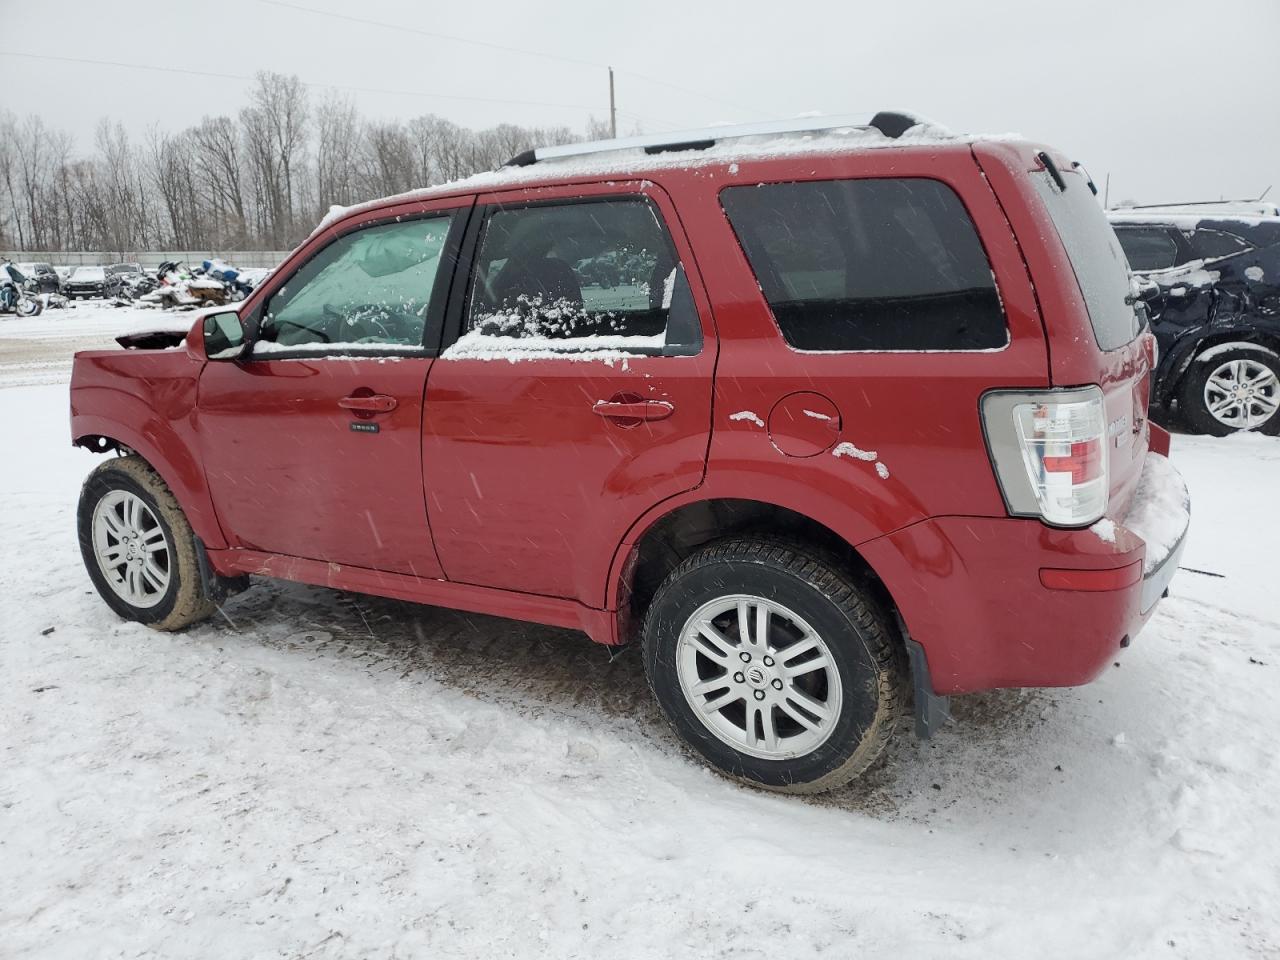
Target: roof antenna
[[1263, 194]]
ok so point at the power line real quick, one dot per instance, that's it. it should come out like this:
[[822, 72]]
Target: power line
[[402, 28], [305, 83], [503, 47]]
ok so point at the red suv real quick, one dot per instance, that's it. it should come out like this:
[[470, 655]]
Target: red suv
[[831, 422]]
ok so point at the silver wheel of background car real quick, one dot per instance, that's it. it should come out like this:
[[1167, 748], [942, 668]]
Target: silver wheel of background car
[[759, 677], [1242, 394], [131, 548]]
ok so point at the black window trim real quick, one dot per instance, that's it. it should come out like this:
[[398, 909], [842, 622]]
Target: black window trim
[[995, 282], [460, 295], [441, 290]]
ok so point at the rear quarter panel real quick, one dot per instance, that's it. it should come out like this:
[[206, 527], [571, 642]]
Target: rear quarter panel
[[918, 411]]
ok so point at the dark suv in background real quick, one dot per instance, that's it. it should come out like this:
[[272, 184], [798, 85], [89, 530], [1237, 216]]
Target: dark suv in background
[[1216, 315], [43, 276]]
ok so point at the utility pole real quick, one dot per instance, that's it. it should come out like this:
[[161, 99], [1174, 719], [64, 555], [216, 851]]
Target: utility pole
[[613, 110]]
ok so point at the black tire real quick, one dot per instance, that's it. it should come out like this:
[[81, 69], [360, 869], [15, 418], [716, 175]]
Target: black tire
[[1191, 399], [184, 601], [869, 660]]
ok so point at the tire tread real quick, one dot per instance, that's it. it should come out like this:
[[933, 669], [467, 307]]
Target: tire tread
[[824, 572]]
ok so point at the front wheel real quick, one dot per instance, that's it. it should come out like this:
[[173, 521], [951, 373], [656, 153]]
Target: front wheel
[[138, 548], [28, 307], [1230, 388], [774, 664]]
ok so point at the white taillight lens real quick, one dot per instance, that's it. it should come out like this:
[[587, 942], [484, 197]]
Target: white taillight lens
[[1049, 449]]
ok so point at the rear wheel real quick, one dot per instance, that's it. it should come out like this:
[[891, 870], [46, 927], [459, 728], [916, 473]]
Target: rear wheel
[[138, 548], [1232, 388], [774, 665]]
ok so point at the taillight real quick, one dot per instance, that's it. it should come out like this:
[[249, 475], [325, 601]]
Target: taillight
[[1049, 451]]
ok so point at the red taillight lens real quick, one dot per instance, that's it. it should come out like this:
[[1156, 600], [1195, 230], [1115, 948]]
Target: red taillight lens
[[1084, 463]]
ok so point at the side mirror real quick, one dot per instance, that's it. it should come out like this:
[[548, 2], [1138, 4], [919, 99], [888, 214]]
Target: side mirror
[[224, 336]]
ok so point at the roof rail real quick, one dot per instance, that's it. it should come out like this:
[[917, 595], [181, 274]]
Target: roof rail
[[892, 124]]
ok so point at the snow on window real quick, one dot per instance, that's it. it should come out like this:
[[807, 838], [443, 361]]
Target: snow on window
[[538, 317], [475, 345], [265, 348]]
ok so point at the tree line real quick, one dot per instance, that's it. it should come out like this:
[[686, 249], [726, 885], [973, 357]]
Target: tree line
[[258, 180]]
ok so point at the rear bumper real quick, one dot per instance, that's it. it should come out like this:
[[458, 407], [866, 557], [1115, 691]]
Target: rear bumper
[[1006, 602]]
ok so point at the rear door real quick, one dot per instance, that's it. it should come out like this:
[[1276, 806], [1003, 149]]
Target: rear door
[[312, 446], [574, 388]]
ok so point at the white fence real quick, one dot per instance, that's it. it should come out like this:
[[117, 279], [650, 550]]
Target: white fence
[[148, 258]]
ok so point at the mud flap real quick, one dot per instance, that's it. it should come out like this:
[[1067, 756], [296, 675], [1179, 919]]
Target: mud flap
[[931, 710], [217, 587]]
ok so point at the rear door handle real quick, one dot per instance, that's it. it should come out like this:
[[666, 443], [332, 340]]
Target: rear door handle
[[633, 410], [378, 403]]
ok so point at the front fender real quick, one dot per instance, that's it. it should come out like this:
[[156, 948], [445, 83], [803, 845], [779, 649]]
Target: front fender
[[146, 400]]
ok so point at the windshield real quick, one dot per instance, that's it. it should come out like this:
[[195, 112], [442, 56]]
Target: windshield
[[1096, 257], [87, 273]]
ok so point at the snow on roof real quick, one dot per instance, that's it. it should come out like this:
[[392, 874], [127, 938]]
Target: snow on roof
[[632, 163], [1266, 208], [1187, 219]]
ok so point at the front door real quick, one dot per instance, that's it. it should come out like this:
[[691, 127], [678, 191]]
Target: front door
[[312, 446], [578, 393]]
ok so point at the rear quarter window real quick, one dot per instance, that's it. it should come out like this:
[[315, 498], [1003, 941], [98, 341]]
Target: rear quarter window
[[874, 264]]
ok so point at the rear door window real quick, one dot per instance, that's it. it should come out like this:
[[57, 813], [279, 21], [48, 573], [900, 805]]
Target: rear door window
[[579, 275], [869, 265], [1100, 265], [1148, 248]]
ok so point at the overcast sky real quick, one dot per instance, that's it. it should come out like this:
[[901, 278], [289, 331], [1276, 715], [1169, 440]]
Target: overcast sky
[[1177, 100]]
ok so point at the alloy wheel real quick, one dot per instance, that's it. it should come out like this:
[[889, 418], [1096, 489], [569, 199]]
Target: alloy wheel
[[1242, 394], [131, 548], [759, 677]]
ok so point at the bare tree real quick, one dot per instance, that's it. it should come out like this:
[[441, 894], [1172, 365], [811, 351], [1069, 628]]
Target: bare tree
[[258, 179], [339, 143], [274, 126], [389, 156], [218, 156]]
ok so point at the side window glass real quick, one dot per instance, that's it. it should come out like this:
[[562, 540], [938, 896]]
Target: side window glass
[[1211, 244], [873, 264], [368, 289], [1148, 248], [587, 275]]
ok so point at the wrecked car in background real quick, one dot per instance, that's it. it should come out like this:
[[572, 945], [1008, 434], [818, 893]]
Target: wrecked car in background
[[1216, 315]]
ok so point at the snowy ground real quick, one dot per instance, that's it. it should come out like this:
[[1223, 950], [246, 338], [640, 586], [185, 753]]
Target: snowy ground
[[325, 775]]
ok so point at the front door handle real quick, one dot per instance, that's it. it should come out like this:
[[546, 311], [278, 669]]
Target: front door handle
[[633, 409], [377, 403]]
